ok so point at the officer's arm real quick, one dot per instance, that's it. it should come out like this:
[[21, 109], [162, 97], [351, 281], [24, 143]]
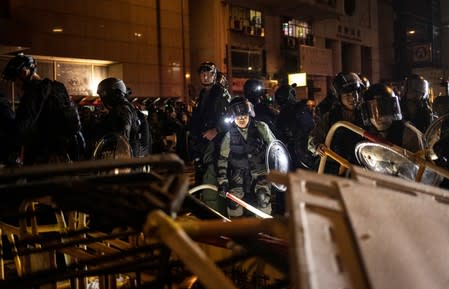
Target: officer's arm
[[317, 135], [222, 163], [221, 106], [122, 121], [265, 131]]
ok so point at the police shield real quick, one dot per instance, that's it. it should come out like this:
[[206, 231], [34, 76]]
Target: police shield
[[383, 159], [435, 134], [112, 147], [278, 159]]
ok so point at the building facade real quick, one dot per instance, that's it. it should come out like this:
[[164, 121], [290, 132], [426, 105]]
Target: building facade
[[272, 39], [422, 39], [156, 46], [143, 42]]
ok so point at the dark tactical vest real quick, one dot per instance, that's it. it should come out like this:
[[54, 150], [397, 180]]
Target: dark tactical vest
[[249, 154]]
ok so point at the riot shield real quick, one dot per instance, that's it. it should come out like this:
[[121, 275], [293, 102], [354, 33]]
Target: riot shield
[[112, 147], [383, 159], [437, 131], [278, 159]]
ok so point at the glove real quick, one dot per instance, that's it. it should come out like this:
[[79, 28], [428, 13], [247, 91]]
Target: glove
[[321, 150], [198, 164], [263, 198], [223, 189]]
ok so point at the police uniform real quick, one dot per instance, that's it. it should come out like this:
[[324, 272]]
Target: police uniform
[[208, 114], [123, 118], [242, 168]]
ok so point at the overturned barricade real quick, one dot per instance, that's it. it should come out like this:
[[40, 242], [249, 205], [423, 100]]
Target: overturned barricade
[[141, 229]]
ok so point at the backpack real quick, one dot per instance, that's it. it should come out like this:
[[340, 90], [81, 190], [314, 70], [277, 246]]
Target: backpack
[[143, 139]]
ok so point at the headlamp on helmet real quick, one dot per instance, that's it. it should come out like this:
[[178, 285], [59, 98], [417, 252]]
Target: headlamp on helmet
[[254, 89]]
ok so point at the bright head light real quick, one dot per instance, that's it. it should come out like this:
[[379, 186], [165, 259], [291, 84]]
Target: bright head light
[[228, 119]]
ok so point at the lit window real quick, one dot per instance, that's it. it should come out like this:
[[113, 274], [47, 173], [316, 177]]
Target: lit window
[[247, 20], [296, 28]]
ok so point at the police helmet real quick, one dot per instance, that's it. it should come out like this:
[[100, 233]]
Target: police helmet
[[207, 66], [211, 69], [254, 90], [240, 105], [112, 91], [347, 82], [16, 64], [416, 87], [284, 94], [381, 105], [348, 87], [365, 81]]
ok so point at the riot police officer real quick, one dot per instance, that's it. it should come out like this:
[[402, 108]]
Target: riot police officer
[[347, 107], [241, 164], [122, 117], [207, 126], [48, 126], [293, 125], [254, 91], [415, 103], [382, 108]]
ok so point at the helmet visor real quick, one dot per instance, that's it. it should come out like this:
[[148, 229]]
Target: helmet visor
[[418, 89], [239, 109], [379, 108]]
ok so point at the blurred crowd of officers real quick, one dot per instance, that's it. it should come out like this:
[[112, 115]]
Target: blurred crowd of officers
[[224, 136]]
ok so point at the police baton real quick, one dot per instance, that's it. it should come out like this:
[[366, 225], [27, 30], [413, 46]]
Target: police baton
[[247, 206], [235, 199]]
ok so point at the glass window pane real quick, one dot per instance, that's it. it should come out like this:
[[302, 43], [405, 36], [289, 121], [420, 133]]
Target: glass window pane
[[45, 69], [76, 77]]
